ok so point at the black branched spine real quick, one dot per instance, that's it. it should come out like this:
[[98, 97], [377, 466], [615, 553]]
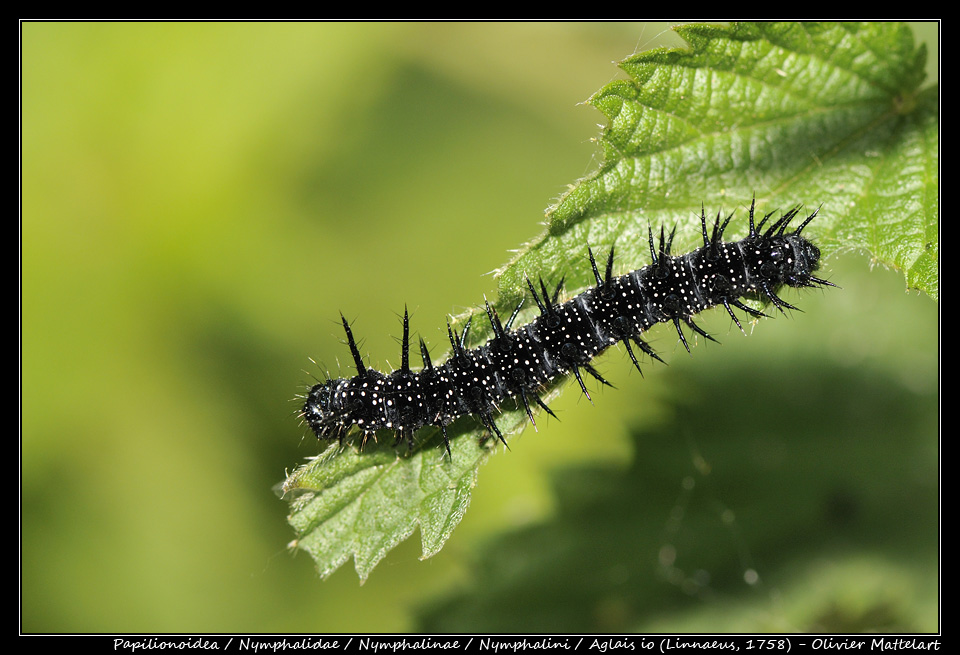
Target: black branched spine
[[566, 337]]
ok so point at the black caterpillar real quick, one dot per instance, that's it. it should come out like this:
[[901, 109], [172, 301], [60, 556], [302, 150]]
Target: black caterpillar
[[566, 337]]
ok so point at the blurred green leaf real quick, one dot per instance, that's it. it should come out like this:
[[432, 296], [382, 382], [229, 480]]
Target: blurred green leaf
[[826, 114], [715, 495]]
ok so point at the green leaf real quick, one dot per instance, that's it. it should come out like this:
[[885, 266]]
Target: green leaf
[[822, 114], [347, 503], [825, 114]]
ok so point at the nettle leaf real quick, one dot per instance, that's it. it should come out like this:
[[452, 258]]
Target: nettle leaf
[[821, 114], [828, 115]]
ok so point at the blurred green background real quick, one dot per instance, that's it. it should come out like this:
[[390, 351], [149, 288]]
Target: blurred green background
[[199, 202]]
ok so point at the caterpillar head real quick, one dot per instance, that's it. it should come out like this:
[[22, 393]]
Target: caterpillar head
[[321, 411]]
